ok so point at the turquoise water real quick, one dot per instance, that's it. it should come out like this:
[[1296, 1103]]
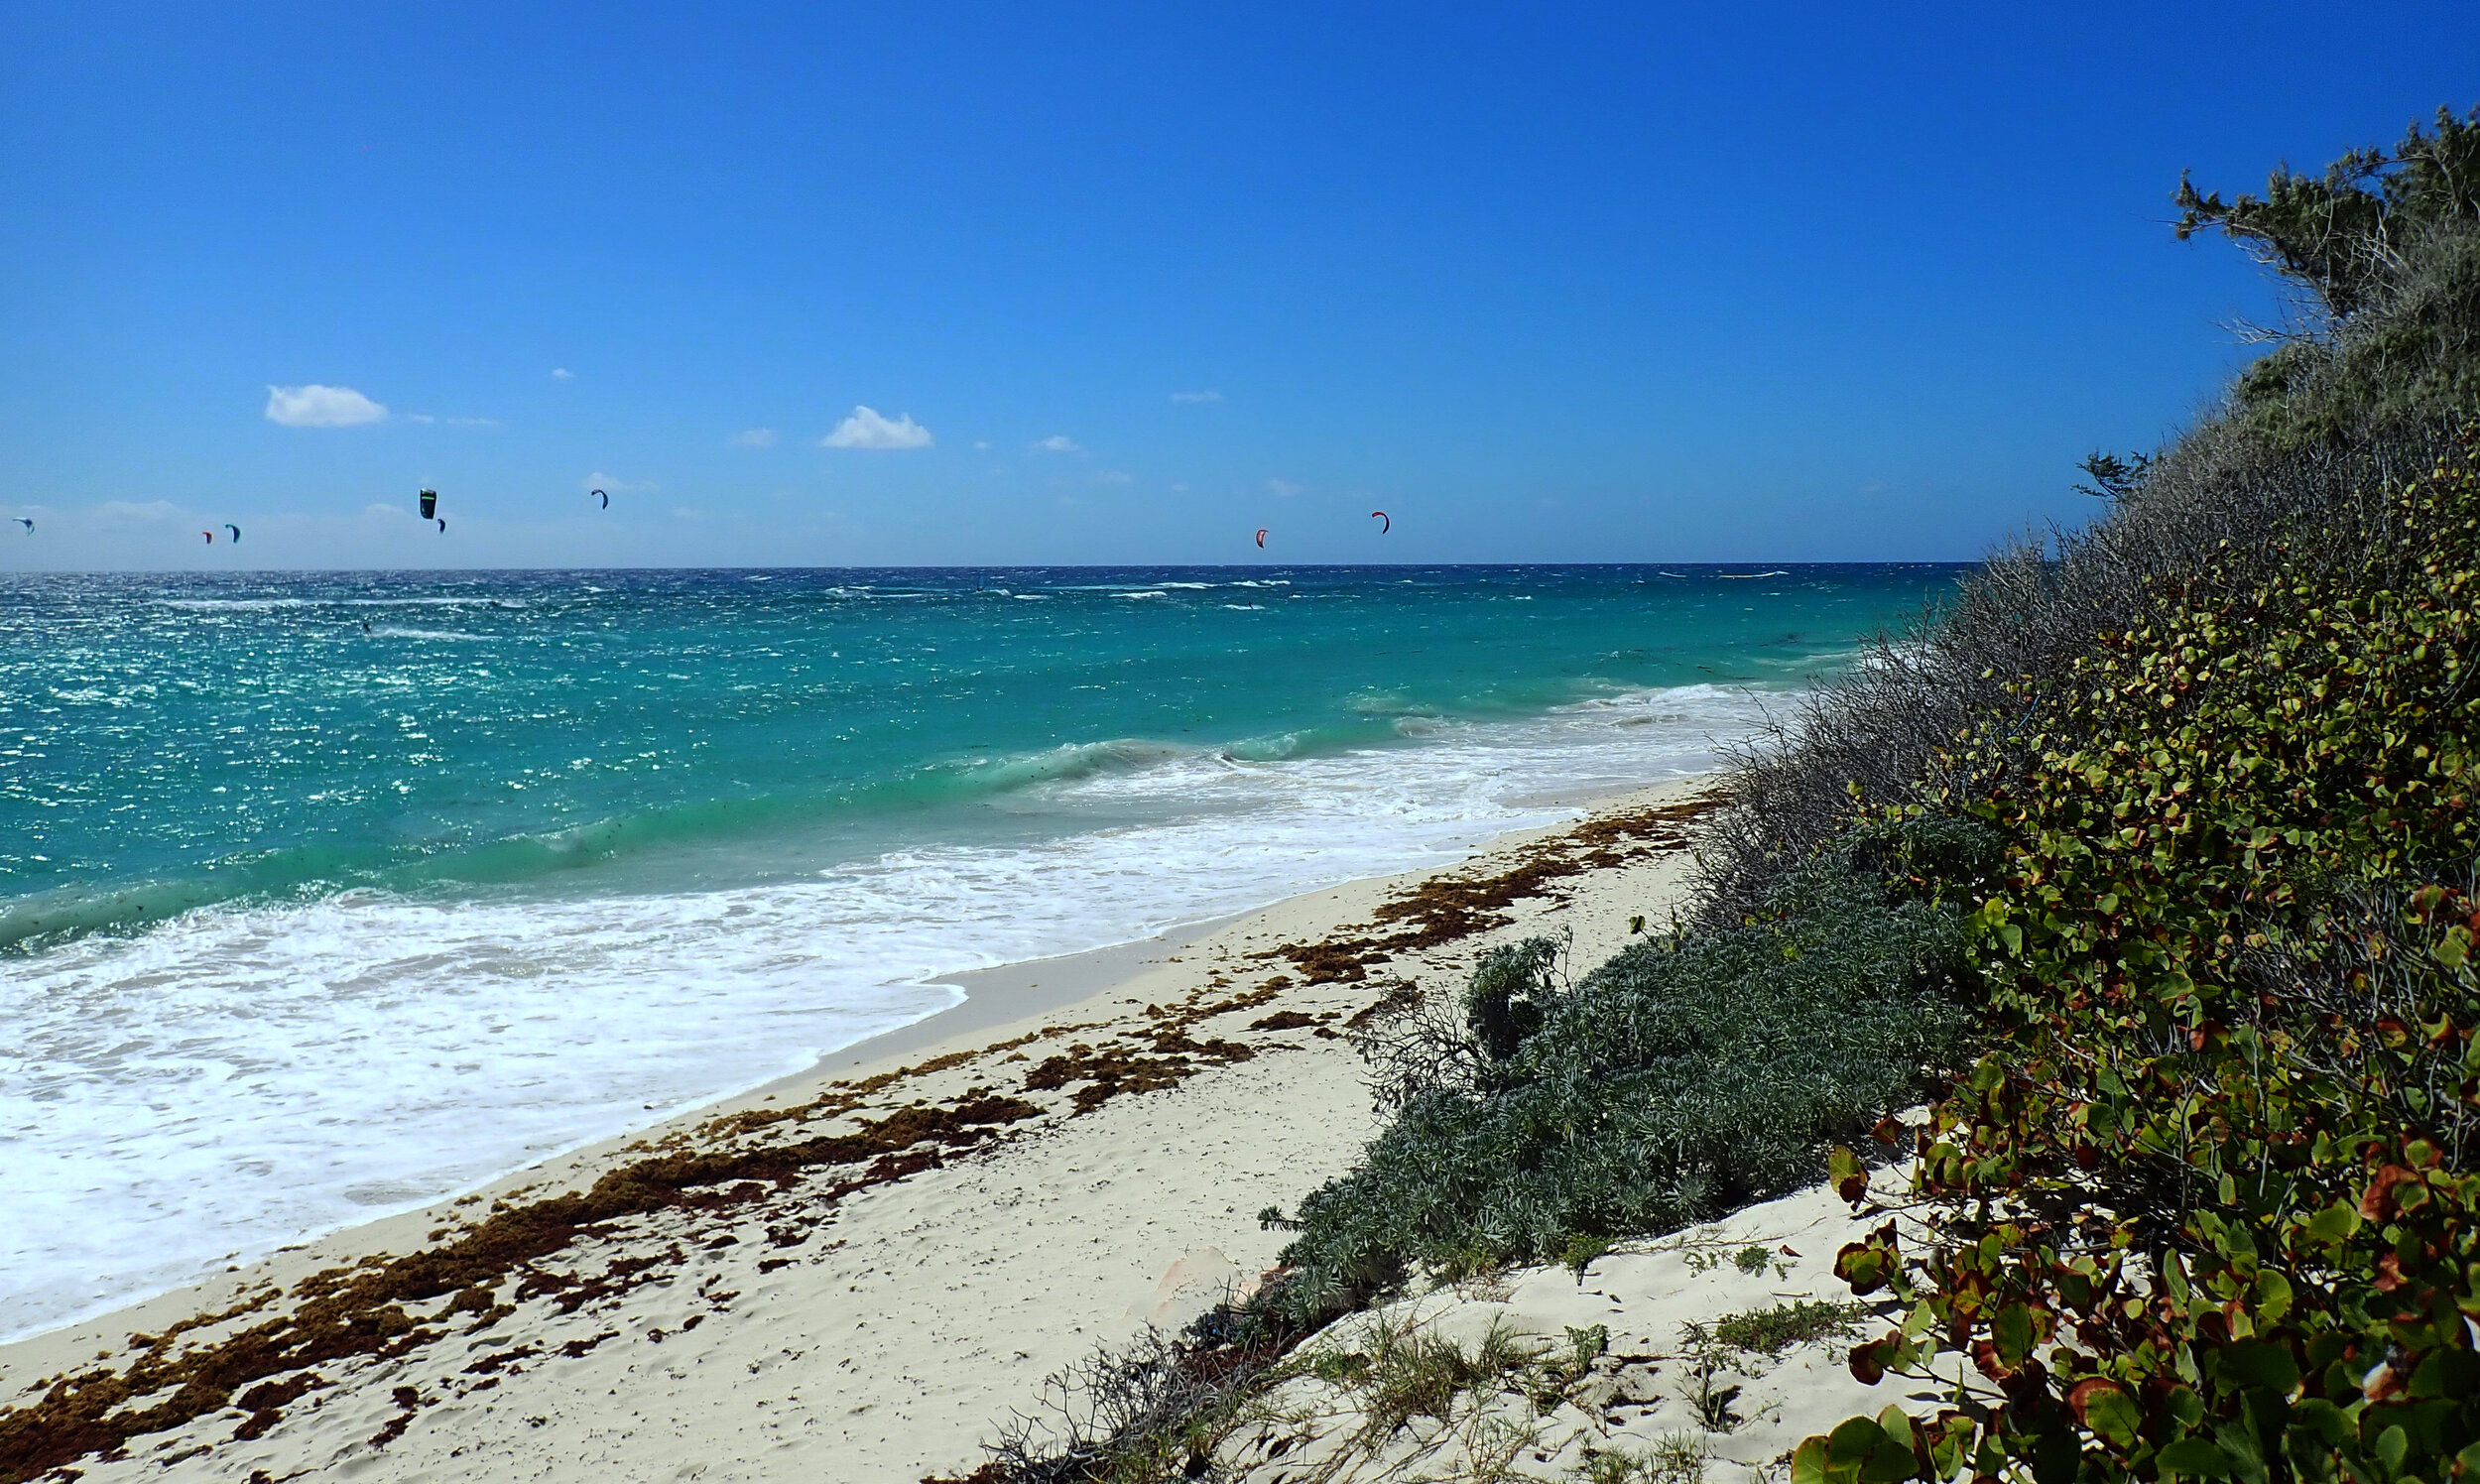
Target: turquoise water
[[323, 895]]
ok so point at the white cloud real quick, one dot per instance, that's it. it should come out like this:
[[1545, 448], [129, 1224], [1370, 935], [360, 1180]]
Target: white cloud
[[420, 418], [754, 438], [1180, 486], [1114, 476], [471, 422], [981, 445], [1196, 396], [1281, 489], [1058, 442], [563, 373], [614, 484], [865, 429], [314, 406]]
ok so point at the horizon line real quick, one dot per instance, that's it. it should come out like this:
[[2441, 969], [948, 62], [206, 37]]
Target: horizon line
[[916, 567]]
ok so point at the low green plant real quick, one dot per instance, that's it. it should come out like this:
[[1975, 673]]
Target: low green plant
[[1552, 1374], [1406, 1370], [1585, 1345], [1751, 1259], [1580, 1251], [1703, 1385], [1681, 1078], [1676, 1458], [1770, 1331]]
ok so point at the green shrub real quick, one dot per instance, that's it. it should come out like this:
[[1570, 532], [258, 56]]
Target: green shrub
[[1684, 1077], [1770, 1331]]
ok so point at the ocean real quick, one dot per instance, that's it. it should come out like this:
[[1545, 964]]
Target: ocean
[[324, 895]]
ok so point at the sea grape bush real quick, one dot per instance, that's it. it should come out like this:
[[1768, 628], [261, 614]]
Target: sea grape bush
[[1689, 1075], [2204, 1207]]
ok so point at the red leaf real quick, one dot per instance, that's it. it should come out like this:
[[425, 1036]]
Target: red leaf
[[1985, 1356], [2377, 1204]]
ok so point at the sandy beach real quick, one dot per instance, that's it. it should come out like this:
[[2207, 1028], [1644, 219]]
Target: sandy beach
[[854, 1274]]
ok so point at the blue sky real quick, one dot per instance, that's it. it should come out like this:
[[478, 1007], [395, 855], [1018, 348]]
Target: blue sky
[[1544, 282]]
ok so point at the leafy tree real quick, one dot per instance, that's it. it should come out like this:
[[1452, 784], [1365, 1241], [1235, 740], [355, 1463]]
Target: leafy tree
[[2347, 235], [2383, 250], [2113, 477]]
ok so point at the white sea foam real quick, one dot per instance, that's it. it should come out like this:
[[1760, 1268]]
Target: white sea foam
[[242, 1076]]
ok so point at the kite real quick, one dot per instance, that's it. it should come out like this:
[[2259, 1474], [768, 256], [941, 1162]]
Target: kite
[[1388, 526], [1261, 539], [429, 503], [444, 525], [599, 495], [28, 523], [210, 536], [236, 532]]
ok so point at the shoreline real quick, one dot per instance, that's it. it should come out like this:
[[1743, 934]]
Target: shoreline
[[914, 1066], [993, 996]]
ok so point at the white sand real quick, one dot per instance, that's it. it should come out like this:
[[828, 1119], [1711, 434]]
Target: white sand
[[1637, 1400], [894, 1324]]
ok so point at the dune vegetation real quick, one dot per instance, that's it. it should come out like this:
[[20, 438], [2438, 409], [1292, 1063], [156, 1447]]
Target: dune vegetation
[[2147, 865]]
